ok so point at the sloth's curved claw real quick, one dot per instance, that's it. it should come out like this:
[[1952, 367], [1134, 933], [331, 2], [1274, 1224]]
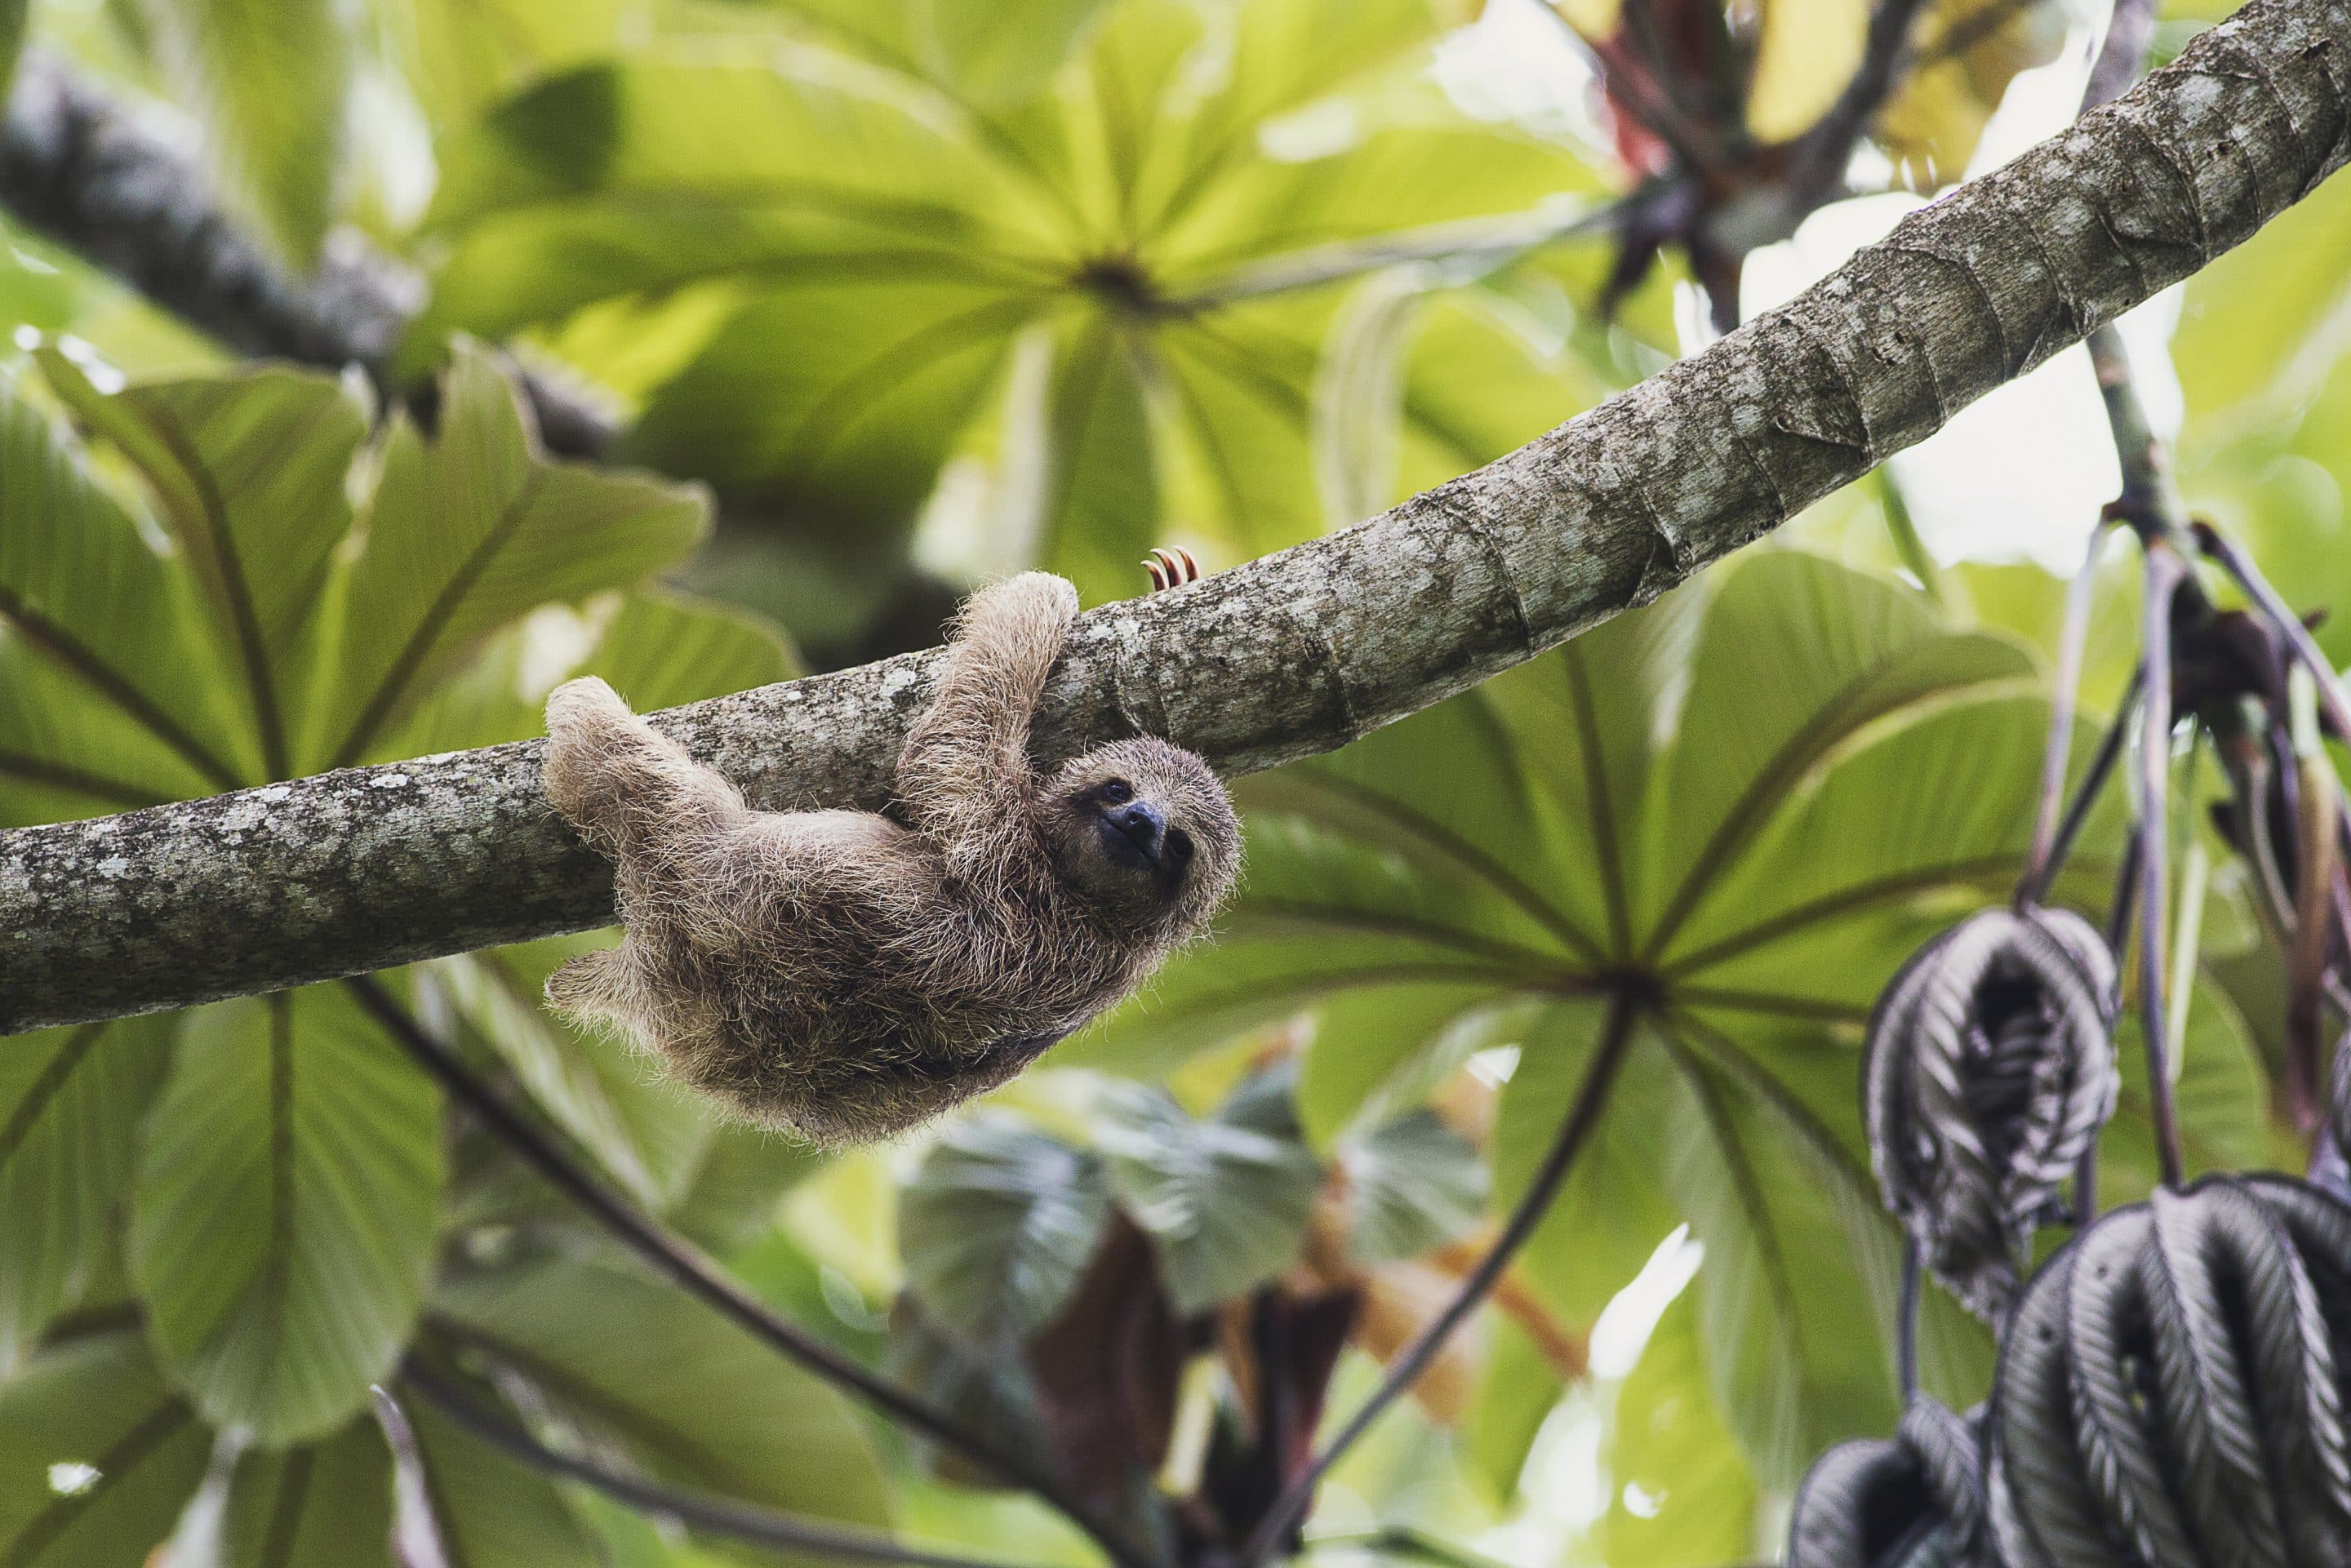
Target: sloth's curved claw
[[1171, 567]]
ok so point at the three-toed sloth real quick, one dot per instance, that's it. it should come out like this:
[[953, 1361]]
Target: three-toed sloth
[[849, 975]]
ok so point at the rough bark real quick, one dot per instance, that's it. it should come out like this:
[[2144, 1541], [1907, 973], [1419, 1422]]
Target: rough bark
[[1293, 654], [86, 170]]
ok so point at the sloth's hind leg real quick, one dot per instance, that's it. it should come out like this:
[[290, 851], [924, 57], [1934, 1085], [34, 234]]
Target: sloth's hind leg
[[594, 985], [622, 782]]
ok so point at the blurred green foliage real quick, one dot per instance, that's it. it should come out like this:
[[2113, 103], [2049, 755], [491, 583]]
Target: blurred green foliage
[[882, 285]]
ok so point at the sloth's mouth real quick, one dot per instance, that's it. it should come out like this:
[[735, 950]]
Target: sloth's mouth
[[1125, 847], [1136, 837]]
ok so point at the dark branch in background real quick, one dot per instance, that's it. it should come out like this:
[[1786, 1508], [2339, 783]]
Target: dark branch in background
[[1584, 1114], [682, 1262], [719, 1516], [84, 171], [1828, 147], [1299, 653]]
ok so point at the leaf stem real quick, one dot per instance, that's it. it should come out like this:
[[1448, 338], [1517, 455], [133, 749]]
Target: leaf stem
[[700, 1276], [2040, 863], [1583, 1114], [764, 1527], [2165, 572], [1906, 1325], [1472, 242], [2313, 936]]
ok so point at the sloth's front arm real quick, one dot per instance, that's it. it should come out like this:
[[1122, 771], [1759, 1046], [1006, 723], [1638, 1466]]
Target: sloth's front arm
[[964, 777]]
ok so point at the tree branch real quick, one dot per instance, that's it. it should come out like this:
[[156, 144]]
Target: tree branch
[[1297, 653], [92, 174]]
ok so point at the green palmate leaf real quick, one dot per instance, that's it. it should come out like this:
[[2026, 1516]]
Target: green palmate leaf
[[322, 1505], [2255, 330], [284, 1212], [887, 377], [465, 535], [1615, 1206], [12, 36], [2223, 1093], [688, 1395], [1099, 508], [70, 1105], [744, 1174], [615, 178], [248, 472], [1413, 1184], [1681, 1495], [269, 79], [646, 1132], [1517, 1389], [112, 685], [463, 55], [1224, 1200], [847, 261], [658, 650], [493, 1511], [97, 1455], [985, 54], [998, 1229], [1743, 807]]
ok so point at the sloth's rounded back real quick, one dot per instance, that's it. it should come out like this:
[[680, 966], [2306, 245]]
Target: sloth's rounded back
[[841, 931]]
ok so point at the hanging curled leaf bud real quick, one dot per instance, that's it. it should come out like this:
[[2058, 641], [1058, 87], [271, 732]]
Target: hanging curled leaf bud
[[2171, 1387], [1914, 1500], [1990, 1071]]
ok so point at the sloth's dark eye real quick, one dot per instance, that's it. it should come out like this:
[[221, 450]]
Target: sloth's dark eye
[[1118, 791], [1179, 845]]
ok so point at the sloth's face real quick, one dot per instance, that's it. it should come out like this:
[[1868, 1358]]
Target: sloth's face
[[1145, 829]]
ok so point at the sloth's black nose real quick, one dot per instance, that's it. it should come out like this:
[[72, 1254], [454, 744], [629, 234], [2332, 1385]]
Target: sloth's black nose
[[1143, 824]]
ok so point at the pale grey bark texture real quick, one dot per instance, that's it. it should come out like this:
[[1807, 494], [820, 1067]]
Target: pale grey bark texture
[[1289, 655]]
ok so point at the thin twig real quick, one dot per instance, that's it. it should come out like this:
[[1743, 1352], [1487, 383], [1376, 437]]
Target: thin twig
[[2123, 56], [2165, 572], [2094, 783], [1482, 242], [761, 1526], [1827, 148], [682, 1262], [415, 1532], [2240, 566], [1906, 1325], [2072, 639], [1615, 1035], [2314, 930]]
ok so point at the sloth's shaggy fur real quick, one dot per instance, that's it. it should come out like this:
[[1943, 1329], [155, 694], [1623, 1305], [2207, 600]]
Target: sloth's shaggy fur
[[848, 977]]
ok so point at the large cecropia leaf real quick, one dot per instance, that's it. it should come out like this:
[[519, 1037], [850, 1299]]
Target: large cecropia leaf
[[848, 259], [97, 1456], [114, 692], [326, 1504], [464, 535], [998, 1229], [71, 1102], [492, 1510], [285, 1210], [1680, 1492], [981, 53], [1224, 1198], [269, 80], [1735, 812], [248, 472], [686, 1394]]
